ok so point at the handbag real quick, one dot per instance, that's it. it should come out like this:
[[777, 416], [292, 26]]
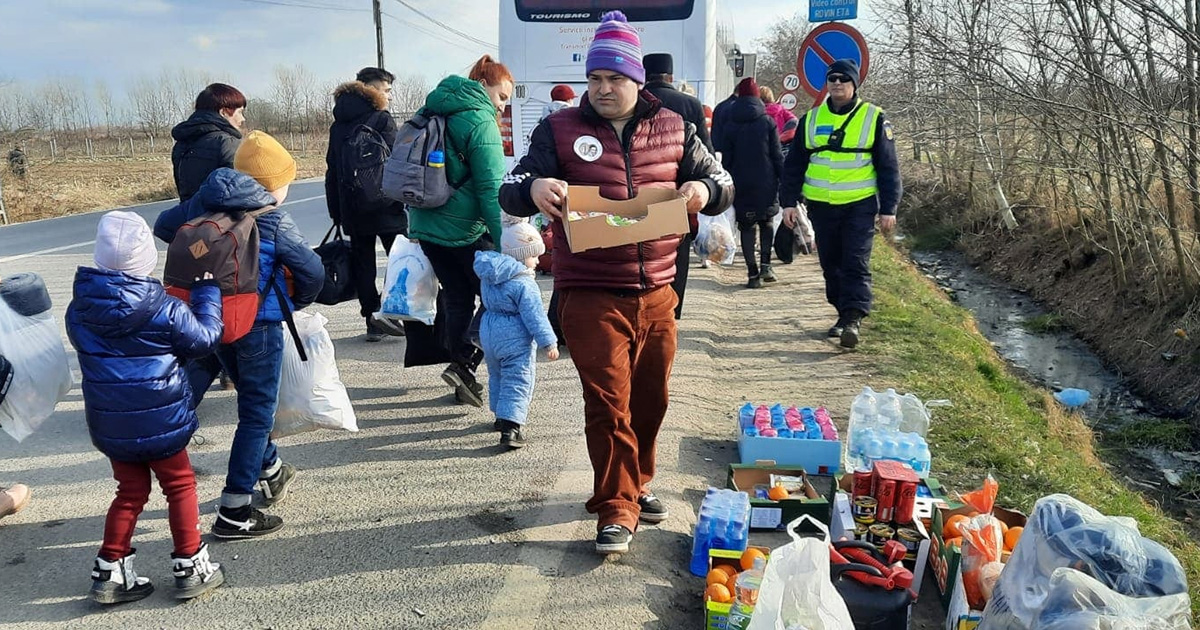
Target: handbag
[[339, 277]]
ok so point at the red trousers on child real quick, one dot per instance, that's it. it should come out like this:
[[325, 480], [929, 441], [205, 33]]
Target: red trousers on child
[[178, 483]]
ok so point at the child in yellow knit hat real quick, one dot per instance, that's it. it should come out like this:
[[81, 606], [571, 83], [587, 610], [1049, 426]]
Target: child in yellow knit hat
[[262, 157]]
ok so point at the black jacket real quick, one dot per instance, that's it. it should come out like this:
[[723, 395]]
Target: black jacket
[[204, 143], [883, 157], [687, 106], [720, 119], [753, 157], [356, 104]]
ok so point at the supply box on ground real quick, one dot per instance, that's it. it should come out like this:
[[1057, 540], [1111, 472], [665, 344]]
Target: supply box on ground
[[819, 457], [716, 614], [591, 221], [944, 559], [814, 498]]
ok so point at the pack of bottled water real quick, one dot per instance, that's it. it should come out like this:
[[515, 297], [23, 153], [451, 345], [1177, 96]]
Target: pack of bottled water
[[888, 426], [789, 423], [724, 523]]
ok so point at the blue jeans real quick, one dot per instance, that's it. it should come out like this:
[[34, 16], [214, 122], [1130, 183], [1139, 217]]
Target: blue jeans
[[253, 363]]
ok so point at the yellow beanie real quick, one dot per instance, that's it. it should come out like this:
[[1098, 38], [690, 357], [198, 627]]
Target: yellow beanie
[[262, 157]]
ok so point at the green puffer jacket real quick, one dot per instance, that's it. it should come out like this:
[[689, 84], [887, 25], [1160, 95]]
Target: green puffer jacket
[[474, 149]]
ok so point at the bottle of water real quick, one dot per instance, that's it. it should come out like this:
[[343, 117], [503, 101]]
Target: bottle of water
[[437, 159], [873, 452], [890, 413], [906, 450], [746, 597], [862, 416], [746, 416], [923, 459]]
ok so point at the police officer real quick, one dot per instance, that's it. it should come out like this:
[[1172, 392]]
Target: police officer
[[843, 165]]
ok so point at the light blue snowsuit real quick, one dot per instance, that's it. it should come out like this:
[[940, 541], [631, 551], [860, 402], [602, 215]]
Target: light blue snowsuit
[[513, 321]]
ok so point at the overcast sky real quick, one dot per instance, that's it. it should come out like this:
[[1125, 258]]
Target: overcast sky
[[241, 41]]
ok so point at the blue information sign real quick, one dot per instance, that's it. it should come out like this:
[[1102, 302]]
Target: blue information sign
[[830, 10]]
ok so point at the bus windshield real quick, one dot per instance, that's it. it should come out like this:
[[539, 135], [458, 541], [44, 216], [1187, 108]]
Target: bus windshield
[[591, 10]]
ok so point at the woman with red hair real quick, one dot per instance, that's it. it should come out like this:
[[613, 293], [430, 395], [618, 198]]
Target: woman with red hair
[[208, 139]]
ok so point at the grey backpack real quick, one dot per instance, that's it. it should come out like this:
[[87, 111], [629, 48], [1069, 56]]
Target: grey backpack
[[409, 176]]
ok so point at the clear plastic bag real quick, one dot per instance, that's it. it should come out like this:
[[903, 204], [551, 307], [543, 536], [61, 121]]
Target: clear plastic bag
[[1063, 532], [410, 287], [311, 393], [714, 239], [1075, 601], [41, 376], [796, 591]]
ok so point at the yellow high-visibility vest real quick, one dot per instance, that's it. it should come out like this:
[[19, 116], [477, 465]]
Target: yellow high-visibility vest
[[844, 175]]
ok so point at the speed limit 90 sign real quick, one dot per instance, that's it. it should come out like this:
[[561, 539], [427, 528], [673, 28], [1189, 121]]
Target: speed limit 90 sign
[[791, 82]]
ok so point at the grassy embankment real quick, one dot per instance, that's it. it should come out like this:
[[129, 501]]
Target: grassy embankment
[[999, 423]]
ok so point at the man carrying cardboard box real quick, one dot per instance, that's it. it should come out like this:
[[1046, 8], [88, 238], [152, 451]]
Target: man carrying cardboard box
[[616, 305]]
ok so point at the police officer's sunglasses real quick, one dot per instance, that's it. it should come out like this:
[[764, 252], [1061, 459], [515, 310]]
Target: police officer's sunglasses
[[838, 78]]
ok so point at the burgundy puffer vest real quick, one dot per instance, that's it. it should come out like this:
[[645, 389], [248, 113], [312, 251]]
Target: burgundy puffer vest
[[656, 149]]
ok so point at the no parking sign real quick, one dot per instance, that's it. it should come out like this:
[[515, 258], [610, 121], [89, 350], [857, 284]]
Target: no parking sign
[[824, 45]]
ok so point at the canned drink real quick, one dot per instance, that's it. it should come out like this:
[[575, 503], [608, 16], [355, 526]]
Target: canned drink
[[861, 531], [885, 494], [906, 501], [863, 484], [878, 534], [865, 509], [911, 539]]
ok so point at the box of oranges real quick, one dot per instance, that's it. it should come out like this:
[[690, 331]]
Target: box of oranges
[[782, 494], [724, 567], [945, 551]]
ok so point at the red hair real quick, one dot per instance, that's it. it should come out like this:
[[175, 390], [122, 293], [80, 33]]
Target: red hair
[[220, 96], [490, 71]]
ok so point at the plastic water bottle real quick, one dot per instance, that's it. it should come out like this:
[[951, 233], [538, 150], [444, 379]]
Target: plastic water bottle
[[890, 413], [891, 446], [906, 448], [873, 452], [746, 416], [746, 595], [862, 416], [437, 159], [922, 459]]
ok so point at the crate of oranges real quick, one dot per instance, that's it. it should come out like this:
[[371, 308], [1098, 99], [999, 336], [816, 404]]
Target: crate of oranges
[[724, 567], [945, 552], [782, 494]]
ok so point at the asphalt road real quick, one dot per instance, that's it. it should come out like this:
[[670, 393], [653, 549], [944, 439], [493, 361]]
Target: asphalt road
[[420, 520]]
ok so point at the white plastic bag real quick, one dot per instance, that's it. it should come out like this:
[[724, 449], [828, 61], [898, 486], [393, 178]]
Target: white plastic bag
[[714, 239], [796, 591], [41, 376], [410, 288], [311, 393]]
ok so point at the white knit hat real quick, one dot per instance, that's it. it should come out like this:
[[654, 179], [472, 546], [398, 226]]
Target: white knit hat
[[522, 241], [124, 243]]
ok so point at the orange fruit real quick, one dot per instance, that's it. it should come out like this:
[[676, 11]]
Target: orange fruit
[[954, 542], [950, 529], [777, 493], [719, 575], [1003, 526], [1012, 536], [731, 585], [718, 593], [748, 557]]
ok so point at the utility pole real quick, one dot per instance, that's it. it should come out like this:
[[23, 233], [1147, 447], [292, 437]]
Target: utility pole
[[375, 5]]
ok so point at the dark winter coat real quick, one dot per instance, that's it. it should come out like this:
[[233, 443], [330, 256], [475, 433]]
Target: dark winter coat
[[683, 104], [203, 143], [357, 104], [753, 157], [658, 150], [720, 118], [130, 336], [281, 244]]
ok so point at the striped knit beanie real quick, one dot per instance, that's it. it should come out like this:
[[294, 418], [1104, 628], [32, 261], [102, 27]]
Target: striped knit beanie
[[617, 47]]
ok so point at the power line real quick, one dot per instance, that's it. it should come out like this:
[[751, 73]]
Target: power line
[[425, 31], [447, 27]]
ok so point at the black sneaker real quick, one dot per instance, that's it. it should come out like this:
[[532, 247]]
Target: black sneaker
[[275, 488], [244, 522], [613, 539], [653, 510], [196, 575], [385, 326], [512, 434], [117, 582], [465, 386], [835, 330], [850, 333], [496, 426], [754, 283], [374, 333], [768, 274]]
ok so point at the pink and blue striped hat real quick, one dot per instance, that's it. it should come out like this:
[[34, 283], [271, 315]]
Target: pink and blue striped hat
[[617, 47]]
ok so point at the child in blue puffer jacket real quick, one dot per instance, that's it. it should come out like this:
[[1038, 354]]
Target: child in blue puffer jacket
[[513, 321], [130, 336]]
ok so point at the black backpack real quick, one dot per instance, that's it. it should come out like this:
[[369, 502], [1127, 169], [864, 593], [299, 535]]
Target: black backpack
[[360, 166]]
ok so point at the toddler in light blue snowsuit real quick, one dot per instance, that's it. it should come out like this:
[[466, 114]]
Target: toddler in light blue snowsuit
[[514, 320]]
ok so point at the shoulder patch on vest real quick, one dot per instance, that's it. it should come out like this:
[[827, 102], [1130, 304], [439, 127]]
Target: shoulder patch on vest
[[588, 148], [887, 129]]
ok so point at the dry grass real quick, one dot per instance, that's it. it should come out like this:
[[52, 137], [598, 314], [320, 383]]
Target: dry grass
[[63, 187]]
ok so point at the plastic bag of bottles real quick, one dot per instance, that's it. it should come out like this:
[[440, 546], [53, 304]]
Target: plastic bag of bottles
[[311, 393], [796, 592], [410, 288], [714, 239], [724, 523], [888, 426], [41, 376]]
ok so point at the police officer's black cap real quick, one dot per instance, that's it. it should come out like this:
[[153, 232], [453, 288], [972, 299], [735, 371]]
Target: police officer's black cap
[[659, 63], [848, 67]]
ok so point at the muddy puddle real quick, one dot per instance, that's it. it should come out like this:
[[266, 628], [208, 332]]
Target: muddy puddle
[[1024, 334]]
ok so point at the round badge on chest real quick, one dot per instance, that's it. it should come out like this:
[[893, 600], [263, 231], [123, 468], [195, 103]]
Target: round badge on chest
[[588, 148]]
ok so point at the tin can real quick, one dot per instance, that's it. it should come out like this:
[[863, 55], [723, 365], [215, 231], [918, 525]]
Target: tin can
[[863, 484], [911, 539], [860, 531], [878, 534], [906, 501], [865, 509], [885, 494]]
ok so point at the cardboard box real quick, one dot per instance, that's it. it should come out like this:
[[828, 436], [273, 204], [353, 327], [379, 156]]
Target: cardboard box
[[945, 560], [817, 501], [959, 615], [660, 212], [841, 523], [716, 614], [820, 457]]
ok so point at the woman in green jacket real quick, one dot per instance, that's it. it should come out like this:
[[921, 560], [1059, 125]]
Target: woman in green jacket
[[470, 221]]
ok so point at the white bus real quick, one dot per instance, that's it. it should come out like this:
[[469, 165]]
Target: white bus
[[545, 42]]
